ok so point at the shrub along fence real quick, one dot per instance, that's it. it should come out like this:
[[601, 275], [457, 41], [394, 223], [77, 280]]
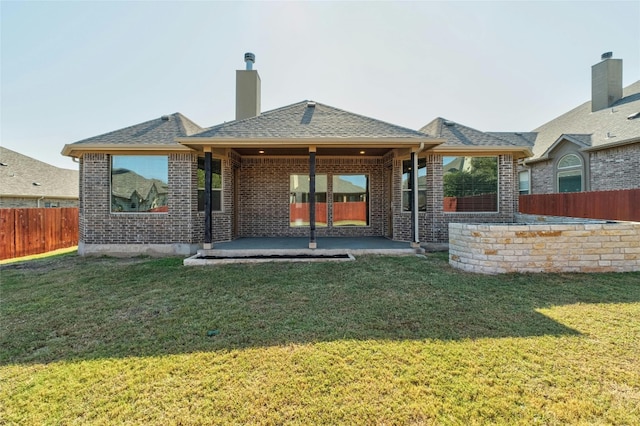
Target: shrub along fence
[[30, 231], [612, 205]]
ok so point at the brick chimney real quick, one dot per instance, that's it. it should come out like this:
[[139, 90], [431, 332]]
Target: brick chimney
[[606, 82], [247, 90]]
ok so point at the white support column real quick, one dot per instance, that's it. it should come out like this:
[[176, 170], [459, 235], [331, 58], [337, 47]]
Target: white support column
[[415, 230]]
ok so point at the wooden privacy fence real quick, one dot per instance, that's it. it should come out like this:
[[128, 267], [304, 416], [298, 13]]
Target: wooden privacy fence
[[30, 231], [471, 203], [612, 205], [354, 212]]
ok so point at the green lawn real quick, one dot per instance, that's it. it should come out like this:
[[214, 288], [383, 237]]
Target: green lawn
[[381, 340]]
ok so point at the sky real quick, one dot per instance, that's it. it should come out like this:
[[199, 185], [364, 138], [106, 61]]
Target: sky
[[76, 69]]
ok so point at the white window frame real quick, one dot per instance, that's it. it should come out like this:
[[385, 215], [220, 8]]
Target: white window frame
[[570, 170], [528, 190]]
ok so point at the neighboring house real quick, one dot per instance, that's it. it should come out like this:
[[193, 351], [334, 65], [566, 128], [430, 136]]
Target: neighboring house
[[594, 147], [27, 182], [306, 169]]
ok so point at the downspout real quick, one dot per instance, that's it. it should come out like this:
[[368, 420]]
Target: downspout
[[38, 201]]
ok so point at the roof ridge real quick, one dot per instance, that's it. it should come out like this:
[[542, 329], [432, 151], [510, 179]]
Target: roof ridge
[[371, 118], [306, 101], [182, 119]]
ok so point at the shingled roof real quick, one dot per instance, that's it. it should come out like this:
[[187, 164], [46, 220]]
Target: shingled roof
[[593, 130], [308, 120], [161, 131], [23, 176]]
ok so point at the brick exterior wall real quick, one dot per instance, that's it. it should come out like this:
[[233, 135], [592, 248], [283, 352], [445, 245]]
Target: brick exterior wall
[[433, 224], [615, 168], [264, 195], [542, 175], [608, 169], [263, 201], [98, 225], [569, 247]]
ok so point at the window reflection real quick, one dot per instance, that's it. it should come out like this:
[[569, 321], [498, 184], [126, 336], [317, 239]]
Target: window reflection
[[422, 185], [299, 200], [216, 184], [470, 184], [139, 183], [350, 200]]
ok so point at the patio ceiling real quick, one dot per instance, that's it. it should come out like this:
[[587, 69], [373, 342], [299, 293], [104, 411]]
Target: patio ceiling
[[327, 152]]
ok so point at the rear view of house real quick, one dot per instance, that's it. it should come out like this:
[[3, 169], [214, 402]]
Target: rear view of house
[[308, 169]]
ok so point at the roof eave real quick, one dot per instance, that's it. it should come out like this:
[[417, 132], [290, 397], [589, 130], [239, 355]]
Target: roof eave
[[518, 151], [74, 150], [359, 142], [612, 144]]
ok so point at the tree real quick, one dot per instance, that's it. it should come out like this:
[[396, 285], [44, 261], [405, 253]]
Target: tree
[[481, 177]]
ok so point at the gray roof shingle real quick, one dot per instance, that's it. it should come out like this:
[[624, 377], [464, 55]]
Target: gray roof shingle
[[459, 135], [160, 131], [19, 172], [595, 129], [300, 121]]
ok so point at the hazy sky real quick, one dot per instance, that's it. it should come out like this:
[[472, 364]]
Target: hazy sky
[[72, 70]]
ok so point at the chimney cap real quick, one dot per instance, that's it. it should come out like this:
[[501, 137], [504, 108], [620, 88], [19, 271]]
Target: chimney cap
[[606, 55], [249, 59]]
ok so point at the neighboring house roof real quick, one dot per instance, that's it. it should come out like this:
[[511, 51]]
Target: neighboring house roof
[[23, 176], [339, 186], [309, 120], [517, 138], [460, 138], [605, 128], [124, 182], [150, 135]]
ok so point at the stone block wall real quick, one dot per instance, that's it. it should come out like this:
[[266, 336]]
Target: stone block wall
[[568, 247]]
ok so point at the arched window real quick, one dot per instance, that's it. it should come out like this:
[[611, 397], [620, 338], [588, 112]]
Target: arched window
[[570, 173]]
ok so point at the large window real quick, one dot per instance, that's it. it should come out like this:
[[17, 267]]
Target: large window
[[139, 183], [216, 184], [407, 184], [470, 184], [350, 200], [570, 174], [299, 200], [524, 185]]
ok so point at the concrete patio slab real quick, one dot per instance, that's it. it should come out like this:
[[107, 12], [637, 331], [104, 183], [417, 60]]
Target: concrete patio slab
[[253, 250]]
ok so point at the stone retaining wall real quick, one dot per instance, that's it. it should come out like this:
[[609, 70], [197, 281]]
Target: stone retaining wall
[[547, 247]]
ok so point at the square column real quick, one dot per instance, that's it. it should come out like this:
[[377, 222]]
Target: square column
[[207, 200]]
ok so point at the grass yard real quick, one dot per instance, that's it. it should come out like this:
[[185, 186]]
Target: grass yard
[[382, 340]]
